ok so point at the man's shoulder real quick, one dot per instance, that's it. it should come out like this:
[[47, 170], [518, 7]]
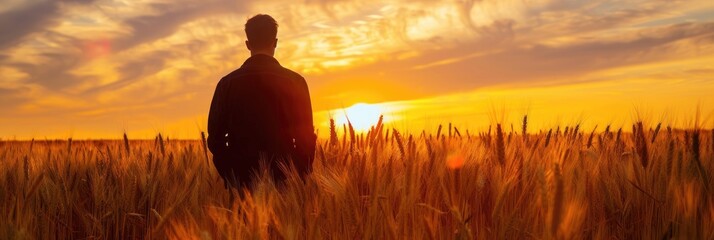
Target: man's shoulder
[[234, 74], [285, 72], [292, 74], [280, 72]]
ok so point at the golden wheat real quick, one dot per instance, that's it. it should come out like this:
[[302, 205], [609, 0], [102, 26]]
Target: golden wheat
[[371, 186]]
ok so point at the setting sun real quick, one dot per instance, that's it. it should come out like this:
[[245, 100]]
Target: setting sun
[[361, 115]]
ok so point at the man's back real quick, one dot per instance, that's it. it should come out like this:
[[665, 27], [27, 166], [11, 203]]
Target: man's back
[[260, 111]]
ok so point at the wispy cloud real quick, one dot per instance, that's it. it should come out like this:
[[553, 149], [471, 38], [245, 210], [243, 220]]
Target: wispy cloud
[[160, 60]]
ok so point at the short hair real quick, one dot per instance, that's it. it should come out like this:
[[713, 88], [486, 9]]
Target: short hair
[[261, 31]]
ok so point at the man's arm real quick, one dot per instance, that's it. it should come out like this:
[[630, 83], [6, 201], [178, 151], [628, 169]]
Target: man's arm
[[304, 131], [217, 127]]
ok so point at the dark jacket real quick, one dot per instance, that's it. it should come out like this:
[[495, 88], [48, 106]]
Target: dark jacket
[[260, 112]]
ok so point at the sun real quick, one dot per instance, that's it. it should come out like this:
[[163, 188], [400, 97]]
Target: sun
[[362, 116]]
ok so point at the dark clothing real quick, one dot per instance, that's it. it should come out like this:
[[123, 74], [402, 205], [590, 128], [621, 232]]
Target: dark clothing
[[260, 112]]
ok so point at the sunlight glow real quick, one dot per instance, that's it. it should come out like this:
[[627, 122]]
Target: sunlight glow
[[361, 115]]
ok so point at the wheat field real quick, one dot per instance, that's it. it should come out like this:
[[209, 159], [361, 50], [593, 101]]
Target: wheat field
[[644, 182]]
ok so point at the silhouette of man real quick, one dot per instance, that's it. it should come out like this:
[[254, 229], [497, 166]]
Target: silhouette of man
[[260, 112]]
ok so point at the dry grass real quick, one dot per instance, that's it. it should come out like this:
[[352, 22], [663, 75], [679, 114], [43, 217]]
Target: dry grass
[[551, 185]]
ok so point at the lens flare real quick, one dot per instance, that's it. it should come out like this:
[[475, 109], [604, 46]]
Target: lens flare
[[97, 48], [455, 161]]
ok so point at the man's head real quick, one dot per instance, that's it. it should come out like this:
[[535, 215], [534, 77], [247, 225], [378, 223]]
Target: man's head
[[261, 31]]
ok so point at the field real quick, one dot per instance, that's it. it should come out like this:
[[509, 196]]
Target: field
[[644, 182]]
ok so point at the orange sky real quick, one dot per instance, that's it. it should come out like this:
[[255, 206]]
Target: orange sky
[[97, 68]]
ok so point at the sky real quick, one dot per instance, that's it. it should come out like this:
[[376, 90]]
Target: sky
[[99, 68]]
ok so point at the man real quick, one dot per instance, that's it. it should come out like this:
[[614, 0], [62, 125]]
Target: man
[[260, 113]]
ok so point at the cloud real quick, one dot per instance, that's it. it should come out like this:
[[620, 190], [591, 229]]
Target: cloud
[[9, 97], [51, 58], [30, 19], [164, 58], [54, 74], [488, 63], [151, 27], [35, 16], [133, 70]]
